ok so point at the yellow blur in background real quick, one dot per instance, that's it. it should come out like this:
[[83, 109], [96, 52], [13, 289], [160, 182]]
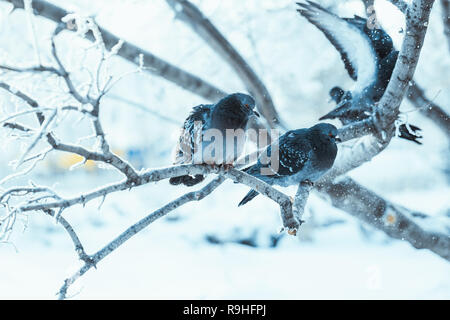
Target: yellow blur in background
[[62, 161]]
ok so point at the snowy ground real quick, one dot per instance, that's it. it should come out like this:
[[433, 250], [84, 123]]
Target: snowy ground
[[172, 259]]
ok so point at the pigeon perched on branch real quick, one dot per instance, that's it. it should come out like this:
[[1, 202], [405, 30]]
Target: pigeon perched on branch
[[205, 122], [369, 57], [301, 156]]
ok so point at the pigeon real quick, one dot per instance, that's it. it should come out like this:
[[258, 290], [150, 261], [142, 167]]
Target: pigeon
[[369, 57], [304, 155], [231, 112]]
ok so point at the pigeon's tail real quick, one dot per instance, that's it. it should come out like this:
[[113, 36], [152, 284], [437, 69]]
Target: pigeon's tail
[[411, 133], [187, 180], [248, 197]]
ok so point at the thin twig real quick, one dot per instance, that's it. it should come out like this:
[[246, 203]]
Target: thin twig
[[136, 228]]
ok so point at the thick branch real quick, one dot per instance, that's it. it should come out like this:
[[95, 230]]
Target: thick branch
[[395, 221], [189, 13], [31, 102], [417, 18], [400, 4]]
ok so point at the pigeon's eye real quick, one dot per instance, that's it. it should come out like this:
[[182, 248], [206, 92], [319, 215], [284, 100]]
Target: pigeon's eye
[[330, 135], [247, 105]]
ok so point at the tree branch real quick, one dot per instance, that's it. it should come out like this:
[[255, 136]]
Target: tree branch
[[106, 156], [189, 13], [130, 52], [137, 227], [397, 222], [388, 108], [154, 175], [428, 108], [400, 4]]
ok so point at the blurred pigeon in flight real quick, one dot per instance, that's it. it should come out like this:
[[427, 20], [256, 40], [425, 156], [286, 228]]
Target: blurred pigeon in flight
[[369, 57], [231, 112], [304, 155]]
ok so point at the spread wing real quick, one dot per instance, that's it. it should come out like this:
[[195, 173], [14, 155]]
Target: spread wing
[[381, 41], [353, 44]]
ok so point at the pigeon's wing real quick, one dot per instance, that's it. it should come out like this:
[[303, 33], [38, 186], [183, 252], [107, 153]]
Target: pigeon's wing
[[192, 128], [293, 153], [385, 69], [352, 43], [381, 41]]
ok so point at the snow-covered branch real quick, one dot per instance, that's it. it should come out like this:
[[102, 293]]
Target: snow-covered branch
[[131, 53], [445, 7], [388, 108], [396, 221], [401, 5], [189, 13], [375, 132], [155, 175], [417, 97], [136, 228]]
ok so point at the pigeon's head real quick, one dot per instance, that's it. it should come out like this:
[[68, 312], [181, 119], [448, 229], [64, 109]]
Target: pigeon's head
[[336, 94], [240, 102], [326, 132]]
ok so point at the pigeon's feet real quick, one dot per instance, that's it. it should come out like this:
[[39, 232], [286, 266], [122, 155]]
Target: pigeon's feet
[[228, 166], [307, 183], [213, 166]]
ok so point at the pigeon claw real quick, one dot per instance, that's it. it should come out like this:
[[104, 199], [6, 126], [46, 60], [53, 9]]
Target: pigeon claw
[[307, 183], [228, 166]]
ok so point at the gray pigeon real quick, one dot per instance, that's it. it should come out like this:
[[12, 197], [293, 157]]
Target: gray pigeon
[[304, 155], [231, 112], [369, 57]]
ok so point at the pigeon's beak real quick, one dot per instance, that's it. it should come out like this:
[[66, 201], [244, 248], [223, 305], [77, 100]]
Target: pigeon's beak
[[256, 113], [338, 139]]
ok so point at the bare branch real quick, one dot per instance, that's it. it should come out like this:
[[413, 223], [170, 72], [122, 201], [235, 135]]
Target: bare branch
[[388, 107], [357, 129], [17, 126], [79, 249], [395, 221], [189, 13], [300, 199], [400, 4], [65, 75], [417, 18], [130, 52], [31, 102], [37, 137], [108, 158], [154, 175], [428, 108], [144, 109]]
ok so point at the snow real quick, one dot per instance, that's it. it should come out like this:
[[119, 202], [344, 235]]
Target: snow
[[171, 259]]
